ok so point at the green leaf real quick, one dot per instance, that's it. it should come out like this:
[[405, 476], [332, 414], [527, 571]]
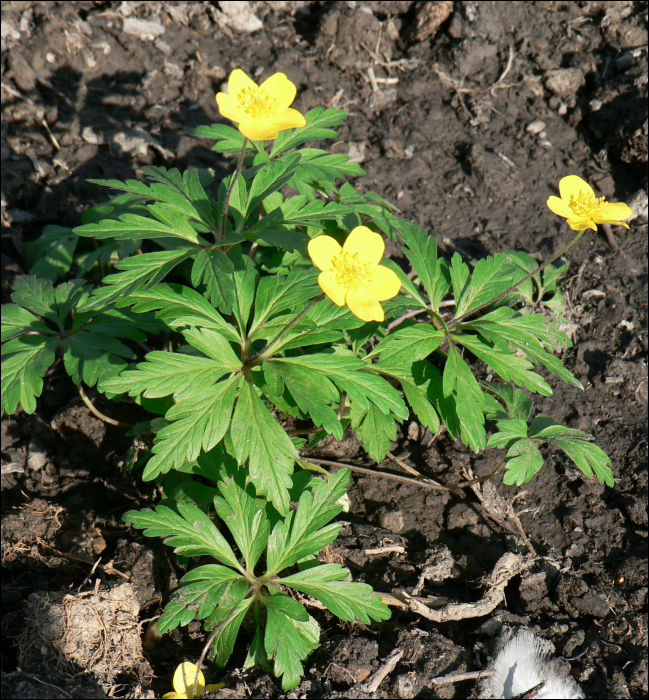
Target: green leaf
[[270, 178], [199, 420], [139, 271], [51, 255], [491, 277], [522, 462], [276, 295], [228, 140], [409, 345], [517, 402], [200, 592], [245, 284], [459, 378], [288, 642], [347, 600], [223, 645], [589, 458], [94, 357], [214, 269], [18, 321], [354, 377], [214, 346], [460, 275], [506, 365], [421, 251], [313, 393], [238, 509], [180, 306], [258, 438], [37, 295], [508, 430], [190, 532], [318, 121], [24, 363], [166, 373], [280, 602], [546, 428], [375, 430], [304, 531]]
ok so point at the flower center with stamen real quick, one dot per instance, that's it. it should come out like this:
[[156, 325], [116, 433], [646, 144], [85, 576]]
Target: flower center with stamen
[[585, 204], [351, 271], [256, 103]]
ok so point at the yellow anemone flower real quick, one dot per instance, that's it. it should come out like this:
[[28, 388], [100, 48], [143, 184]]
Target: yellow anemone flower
[[184, 678], [582, 209], [352, 275], [261, 111]]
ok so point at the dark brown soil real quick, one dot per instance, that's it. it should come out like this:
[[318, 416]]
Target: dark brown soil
[[447, 139]]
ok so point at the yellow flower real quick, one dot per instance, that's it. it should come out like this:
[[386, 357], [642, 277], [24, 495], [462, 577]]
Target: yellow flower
[[582, 209], [261, 111], [352, 275], [184, 678]]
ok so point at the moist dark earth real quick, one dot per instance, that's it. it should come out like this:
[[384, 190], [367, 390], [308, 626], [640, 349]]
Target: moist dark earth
[[478, 109]]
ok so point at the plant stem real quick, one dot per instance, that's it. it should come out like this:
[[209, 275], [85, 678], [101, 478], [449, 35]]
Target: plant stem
[[455, 322], [263, 354], [235, 177], [97, 413]]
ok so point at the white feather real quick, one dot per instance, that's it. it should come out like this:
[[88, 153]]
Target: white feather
[[522, 664]]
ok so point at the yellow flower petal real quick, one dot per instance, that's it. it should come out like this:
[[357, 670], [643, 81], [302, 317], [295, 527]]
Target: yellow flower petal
[[368, 245], [559, 207], [578, 223], [573, 186], [281, 88], [289, 119], [384, 284], [258, 129], [171, 696], [239, 81], [613, 213], [229, 108], [364, 306], [321, 250], [328, 281], [184, 680]]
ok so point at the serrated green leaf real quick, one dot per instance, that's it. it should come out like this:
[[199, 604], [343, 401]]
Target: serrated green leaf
[[258, 438], [214, 269], [51, 255], [228, 140], [407, 285], [409, 345], [460, 275], [458, 378], [94, 357], [223, 645], [288, 642], [508, 430], [24, 363], [190, 532], [589, 458], [313, 393], [214, 346], [199, 420], [421, 251], [17, 321], [245, 284], [238, 509], [139, 271], [270, 178], [179, 306], [304, 530], [354, 377], [318, 121], [522, 462], [491, 276], [280, 602], [375, 430], [506, 365], [37, 295], [517, 402], [200, 592], [546, 428], [347, 600]]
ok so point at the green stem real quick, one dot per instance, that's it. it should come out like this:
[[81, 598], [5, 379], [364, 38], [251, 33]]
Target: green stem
[[235, 177], [455, 322], [263, 354]]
